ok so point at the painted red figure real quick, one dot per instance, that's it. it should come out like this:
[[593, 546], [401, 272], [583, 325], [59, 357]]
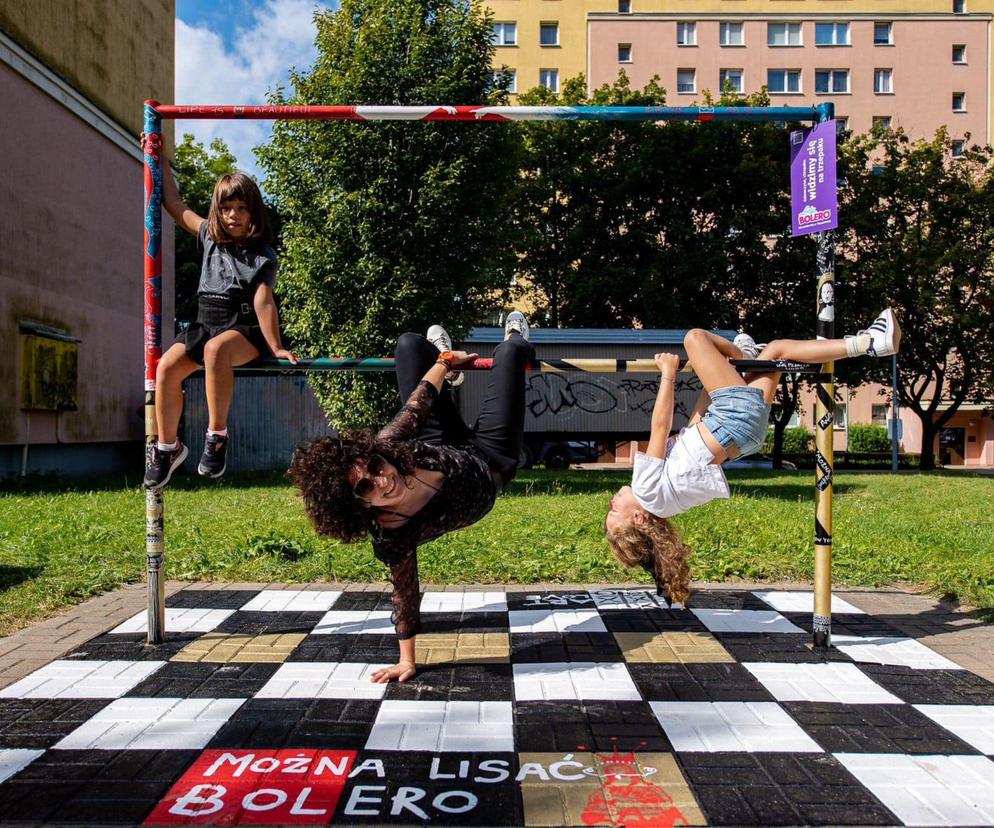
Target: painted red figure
[[628, 798]]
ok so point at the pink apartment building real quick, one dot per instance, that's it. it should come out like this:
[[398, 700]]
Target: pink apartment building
[[921, 71]]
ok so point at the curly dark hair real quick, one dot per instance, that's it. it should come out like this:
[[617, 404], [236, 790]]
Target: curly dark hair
[[320, 469], [655, 545]]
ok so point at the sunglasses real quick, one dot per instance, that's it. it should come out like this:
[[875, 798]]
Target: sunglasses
[[364, 486]]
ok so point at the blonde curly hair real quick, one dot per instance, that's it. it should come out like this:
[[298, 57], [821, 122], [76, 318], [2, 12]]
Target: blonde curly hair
[[655, 545]]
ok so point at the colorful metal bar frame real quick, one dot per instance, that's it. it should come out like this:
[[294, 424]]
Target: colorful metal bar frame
[[586, 365], [155, 112], [493, 113]]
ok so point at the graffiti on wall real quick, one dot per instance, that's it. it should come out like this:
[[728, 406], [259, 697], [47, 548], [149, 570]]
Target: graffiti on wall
[[567, 394]]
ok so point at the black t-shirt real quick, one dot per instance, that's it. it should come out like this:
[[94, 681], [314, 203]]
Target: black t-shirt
[[233, 270]]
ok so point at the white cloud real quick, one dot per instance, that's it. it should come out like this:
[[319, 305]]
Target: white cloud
[[279, 35]]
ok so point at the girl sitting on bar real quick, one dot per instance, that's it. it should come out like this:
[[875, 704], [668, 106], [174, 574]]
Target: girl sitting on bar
[[730, 420], [426, 473], [237, 320]]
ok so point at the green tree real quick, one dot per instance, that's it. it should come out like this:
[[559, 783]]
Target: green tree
[[197, 169], [919, 236], [389, 226]]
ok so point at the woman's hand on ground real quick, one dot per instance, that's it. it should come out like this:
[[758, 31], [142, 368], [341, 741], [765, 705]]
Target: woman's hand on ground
[[668, 365], [283, 353], [399, 672]]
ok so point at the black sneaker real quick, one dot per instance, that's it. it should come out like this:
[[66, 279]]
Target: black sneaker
[[213, 461], [162, 465]]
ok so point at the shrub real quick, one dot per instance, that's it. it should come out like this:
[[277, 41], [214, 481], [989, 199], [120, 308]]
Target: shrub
[[864, 437], [798, 441]]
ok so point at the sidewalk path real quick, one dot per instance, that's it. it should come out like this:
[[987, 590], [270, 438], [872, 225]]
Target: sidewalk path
[[539, 705]]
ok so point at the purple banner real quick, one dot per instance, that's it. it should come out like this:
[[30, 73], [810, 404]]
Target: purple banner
[[813, 193]]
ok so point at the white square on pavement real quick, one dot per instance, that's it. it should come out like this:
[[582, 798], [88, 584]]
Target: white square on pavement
[[928, 790], [555, 620], [292, 600], [627, 599], [65, 679], [464, 726], [974, 724], [354, 622], [15, 760], [893, 650], [152, 724], [803, 602], [731, 726], [178, 620], [324, 680], [833, 682], [745, 621], [464, 602], [609, 681]]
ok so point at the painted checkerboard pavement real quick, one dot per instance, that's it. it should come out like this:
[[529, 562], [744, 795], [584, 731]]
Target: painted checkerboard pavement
[[529, 708]]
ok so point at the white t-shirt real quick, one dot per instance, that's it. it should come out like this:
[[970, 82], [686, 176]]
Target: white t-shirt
[[685, 478]]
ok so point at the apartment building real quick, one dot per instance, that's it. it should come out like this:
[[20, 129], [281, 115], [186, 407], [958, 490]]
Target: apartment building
[[918, 64]]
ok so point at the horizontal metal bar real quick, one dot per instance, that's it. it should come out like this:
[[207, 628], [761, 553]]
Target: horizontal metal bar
[[491, 113], [585, 365]]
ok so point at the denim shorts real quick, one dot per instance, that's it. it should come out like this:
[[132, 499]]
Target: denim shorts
[[738, 415]]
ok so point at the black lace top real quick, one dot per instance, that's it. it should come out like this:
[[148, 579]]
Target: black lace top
[[467, 493]]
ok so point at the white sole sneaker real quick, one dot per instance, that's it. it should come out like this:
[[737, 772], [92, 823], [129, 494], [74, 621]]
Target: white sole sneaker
[[885, 335], [746, 344], [515, 322], [439, 337]]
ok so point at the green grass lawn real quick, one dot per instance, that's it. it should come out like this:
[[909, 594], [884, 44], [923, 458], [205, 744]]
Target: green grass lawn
[[61, 543]]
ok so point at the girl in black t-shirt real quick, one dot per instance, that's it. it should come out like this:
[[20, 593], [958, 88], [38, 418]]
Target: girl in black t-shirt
[[236, 321]]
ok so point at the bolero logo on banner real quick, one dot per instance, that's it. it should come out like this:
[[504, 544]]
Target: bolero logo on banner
[[813, 187]]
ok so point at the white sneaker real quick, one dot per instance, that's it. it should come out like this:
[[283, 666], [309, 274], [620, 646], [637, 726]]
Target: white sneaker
[[885, 335], [515, 322], [746, 344], [439, 337]]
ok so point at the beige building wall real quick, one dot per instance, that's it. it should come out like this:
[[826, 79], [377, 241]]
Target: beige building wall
[[73, 76]]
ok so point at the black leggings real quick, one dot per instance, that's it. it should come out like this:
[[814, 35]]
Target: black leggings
[[500, 426]]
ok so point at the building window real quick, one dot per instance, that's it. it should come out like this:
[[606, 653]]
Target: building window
[[883, 34], [783, 34], [624, 53], [686, 34], [548, 34], [500, 75], [841, 124], [882, 81], [958, 148], [731, 34], [624, 6], [783, 81], [881, 122], [880, 415], [549, 78], [831, 34], [686, 81], [959, 6], [959, 53], [959, 102], [841, 416], [831, 81], [505, 34], [731, 80]]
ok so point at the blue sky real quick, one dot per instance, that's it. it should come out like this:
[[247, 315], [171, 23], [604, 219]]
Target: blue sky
[[234, 52]]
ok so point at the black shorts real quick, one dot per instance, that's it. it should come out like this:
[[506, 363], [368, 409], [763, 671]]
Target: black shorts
[[215, 316]]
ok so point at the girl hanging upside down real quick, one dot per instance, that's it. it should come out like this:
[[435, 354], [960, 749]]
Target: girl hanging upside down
[[730, 420], [425, 473]]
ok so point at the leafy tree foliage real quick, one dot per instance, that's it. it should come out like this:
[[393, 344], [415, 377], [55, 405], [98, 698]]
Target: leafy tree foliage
[[197, 170], [389, 226], [919, 236]]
